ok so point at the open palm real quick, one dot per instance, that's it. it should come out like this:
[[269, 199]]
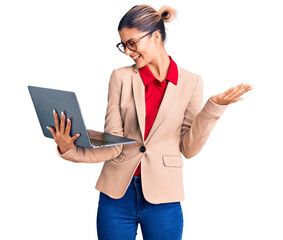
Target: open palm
[[231, 95]]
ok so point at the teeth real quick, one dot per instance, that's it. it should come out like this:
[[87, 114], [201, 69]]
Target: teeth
[[136, 57]]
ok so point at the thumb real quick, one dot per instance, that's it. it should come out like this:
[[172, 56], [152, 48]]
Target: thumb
[[51, 129]]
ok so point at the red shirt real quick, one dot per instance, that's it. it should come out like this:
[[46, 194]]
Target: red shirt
[[154, 91]]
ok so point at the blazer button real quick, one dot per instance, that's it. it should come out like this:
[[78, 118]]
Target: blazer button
[[143, 149]]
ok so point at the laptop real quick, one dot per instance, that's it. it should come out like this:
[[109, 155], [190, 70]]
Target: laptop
[[46, 99]]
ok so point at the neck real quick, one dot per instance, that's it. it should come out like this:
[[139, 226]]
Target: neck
[[159, 65]]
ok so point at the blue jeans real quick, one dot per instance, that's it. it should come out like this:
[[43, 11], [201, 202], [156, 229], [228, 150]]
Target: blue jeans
[[117, 219]]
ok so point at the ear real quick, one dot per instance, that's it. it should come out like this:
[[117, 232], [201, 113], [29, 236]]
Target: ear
[[157, 37]]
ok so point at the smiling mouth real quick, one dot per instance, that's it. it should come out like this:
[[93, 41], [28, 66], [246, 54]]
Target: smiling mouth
[[136, 58]]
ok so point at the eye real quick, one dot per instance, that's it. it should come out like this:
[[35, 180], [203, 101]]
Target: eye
[[131, 44]]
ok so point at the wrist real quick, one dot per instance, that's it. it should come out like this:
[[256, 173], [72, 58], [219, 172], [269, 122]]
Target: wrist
[[63, 150], [213, 99]]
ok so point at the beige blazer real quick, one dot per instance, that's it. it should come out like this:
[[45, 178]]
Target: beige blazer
[[181, 126]]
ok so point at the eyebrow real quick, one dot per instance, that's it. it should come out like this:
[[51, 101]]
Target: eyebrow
[[127, 41]]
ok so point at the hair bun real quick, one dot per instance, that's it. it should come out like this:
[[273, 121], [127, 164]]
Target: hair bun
[[167, 13]]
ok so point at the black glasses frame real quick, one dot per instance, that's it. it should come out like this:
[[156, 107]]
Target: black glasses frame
[[131, 44]]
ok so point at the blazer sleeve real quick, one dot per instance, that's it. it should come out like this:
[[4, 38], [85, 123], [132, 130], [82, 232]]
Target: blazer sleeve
[[198, 122], [113, 125]]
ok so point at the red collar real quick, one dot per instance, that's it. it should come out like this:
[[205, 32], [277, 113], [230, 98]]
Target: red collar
[[148, 77]]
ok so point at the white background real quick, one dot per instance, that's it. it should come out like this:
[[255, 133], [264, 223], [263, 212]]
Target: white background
[[233, 186]]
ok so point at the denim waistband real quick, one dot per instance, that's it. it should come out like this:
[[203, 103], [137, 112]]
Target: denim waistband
[[137, 177]]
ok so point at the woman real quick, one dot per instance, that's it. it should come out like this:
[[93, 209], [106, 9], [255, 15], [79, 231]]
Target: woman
[[159, 104]]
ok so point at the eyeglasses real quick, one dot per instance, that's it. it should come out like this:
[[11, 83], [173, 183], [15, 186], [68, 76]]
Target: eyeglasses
[[131, 44]]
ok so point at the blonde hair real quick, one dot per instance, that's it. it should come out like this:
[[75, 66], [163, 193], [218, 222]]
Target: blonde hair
[[146, 19]]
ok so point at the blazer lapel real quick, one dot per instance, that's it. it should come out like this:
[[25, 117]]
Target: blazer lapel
[[139, 97]]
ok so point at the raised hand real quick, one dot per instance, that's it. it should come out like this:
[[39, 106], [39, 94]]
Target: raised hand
[[62, 134], [231, 95]]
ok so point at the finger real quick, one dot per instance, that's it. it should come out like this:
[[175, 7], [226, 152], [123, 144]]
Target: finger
[[51, 129], [68, 127], [229, 91], [234, 91], [56, 121], [236, 100], [241, 91], [62, 124], [248, 87], [74, 138]]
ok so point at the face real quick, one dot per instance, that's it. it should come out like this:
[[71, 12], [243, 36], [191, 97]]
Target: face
[[146, 47]]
